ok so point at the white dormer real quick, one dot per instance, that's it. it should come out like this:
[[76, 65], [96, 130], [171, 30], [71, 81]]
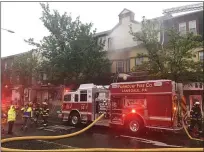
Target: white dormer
[[126, 16], [119, 38]]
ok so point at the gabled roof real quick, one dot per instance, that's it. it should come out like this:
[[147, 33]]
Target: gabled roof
[[102, 33], [186, 14], [19, 54], [124, 11]]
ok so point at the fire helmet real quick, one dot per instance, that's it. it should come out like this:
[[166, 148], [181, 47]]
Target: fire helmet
[[197, 103]]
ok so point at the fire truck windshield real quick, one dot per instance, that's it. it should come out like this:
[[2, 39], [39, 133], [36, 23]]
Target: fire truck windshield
[[67, 97], [103, 95]]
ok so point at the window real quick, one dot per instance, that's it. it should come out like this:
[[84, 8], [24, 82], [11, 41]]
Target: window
[[99, 40], [182, 28], [109, 42], [138, 61], [76, 98], [44, 76], [83, 95], [120, 67], [192, 26], [41, 76], [201, 53], [5, 65], [67, 97], [10, 79], [128, 65]]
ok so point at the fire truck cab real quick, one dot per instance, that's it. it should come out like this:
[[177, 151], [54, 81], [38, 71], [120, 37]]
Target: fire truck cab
[[82, 105], [143, 104]]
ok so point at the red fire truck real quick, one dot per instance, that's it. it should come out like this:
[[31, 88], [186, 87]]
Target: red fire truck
[[134, 105], [83, 105]]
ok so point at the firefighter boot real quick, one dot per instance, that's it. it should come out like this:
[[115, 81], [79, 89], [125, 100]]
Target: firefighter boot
[[45, 123]]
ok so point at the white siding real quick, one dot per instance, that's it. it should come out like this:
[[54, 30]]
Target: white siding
[[121, 37], [104, 38]]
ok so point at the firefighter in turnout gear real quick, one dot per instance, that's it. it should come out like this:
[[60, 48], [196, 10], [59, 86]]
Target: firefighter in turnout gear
[[36, 112], [27, 114], [196, 117], [45, 113]]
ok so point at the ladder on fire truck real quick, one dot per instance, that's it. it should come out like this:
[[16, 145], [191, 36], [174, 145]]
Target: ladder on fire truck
[[185, 8]]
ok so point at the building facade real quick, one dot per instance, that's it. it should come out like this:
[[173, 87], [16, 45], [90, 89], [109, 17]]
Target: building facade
[[14, 88], [189, 22], [122, 50]]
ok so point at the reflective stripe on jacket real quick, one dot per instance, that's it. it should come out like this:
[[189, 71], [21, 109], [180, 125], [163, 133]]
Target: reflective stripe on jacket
[[27, 112], [11, 114], [45, 112]]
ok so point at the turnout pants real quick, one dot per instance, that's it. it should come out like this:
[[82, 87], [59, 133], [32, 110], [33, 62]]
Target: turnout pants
[[195, 122], [25, 121], [10, 127], [45, 120]]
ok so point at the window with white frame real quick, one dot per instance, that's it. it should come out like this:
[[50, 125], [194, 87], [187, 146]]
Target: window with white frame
[[100, 40], [182, 28], [119, 66], [127, 65], [138, 61], [192, 26], [109, 43], [201, 53]]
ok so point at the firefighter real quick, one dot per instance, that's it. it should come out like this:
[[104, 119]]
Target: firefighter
[[27, 113], [36, 112], [45, 113], [3, 122], [11, 119], [196, 117]]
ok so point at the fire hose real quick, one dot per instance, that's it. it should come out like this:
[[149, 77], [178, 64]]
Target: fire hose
[[183, 124], [92, 149]]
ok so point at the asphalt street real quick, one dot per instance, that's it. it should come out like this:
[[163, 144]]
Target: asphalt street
[[97, 137]]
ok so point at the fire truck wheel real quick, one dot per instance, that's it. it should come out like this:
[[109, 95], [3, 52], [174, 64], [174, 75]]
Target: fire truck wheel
[[135, 126], [74, 119]]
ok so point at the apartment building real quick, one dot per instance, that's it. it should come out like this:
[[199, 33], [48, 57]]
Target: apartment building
[[14, 89], [122, 49], [189, 22]]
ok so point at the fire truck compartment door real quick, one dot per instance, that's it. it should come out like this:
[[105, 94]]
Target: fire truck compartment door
[[159, 110]]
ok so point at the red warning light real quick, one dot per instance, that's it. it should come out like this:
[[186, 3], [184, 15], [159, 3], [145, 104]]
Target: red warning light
[[67, 90]]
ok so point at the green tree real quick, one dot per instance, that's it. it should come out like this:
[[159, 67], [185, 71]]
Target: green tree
[[71, 52], [25, 67], [174, 60]]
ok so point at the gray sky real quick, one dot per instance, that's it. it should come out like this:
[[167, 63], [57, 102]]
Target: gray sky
[[23, 18]]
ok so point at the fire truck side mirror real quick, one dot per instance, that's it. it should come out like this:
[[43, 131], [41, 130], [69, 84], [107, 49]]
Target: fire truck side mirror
[[96, 95]]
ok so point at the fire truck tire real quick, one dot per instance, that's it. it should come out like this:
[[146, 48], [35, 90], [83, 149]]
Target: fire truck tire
[[74, 119], [135, 126]]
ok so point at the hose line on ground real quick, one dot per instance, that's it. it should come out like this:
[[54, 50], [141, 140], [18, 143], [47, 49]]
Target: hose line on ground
[[189, 134], [3, 149], [186, 130]]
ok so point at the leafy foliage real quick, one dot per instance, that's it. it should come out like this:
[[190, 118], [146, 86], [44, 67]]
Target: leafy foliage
[[174, 60], [70, 52], [25, 67]]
